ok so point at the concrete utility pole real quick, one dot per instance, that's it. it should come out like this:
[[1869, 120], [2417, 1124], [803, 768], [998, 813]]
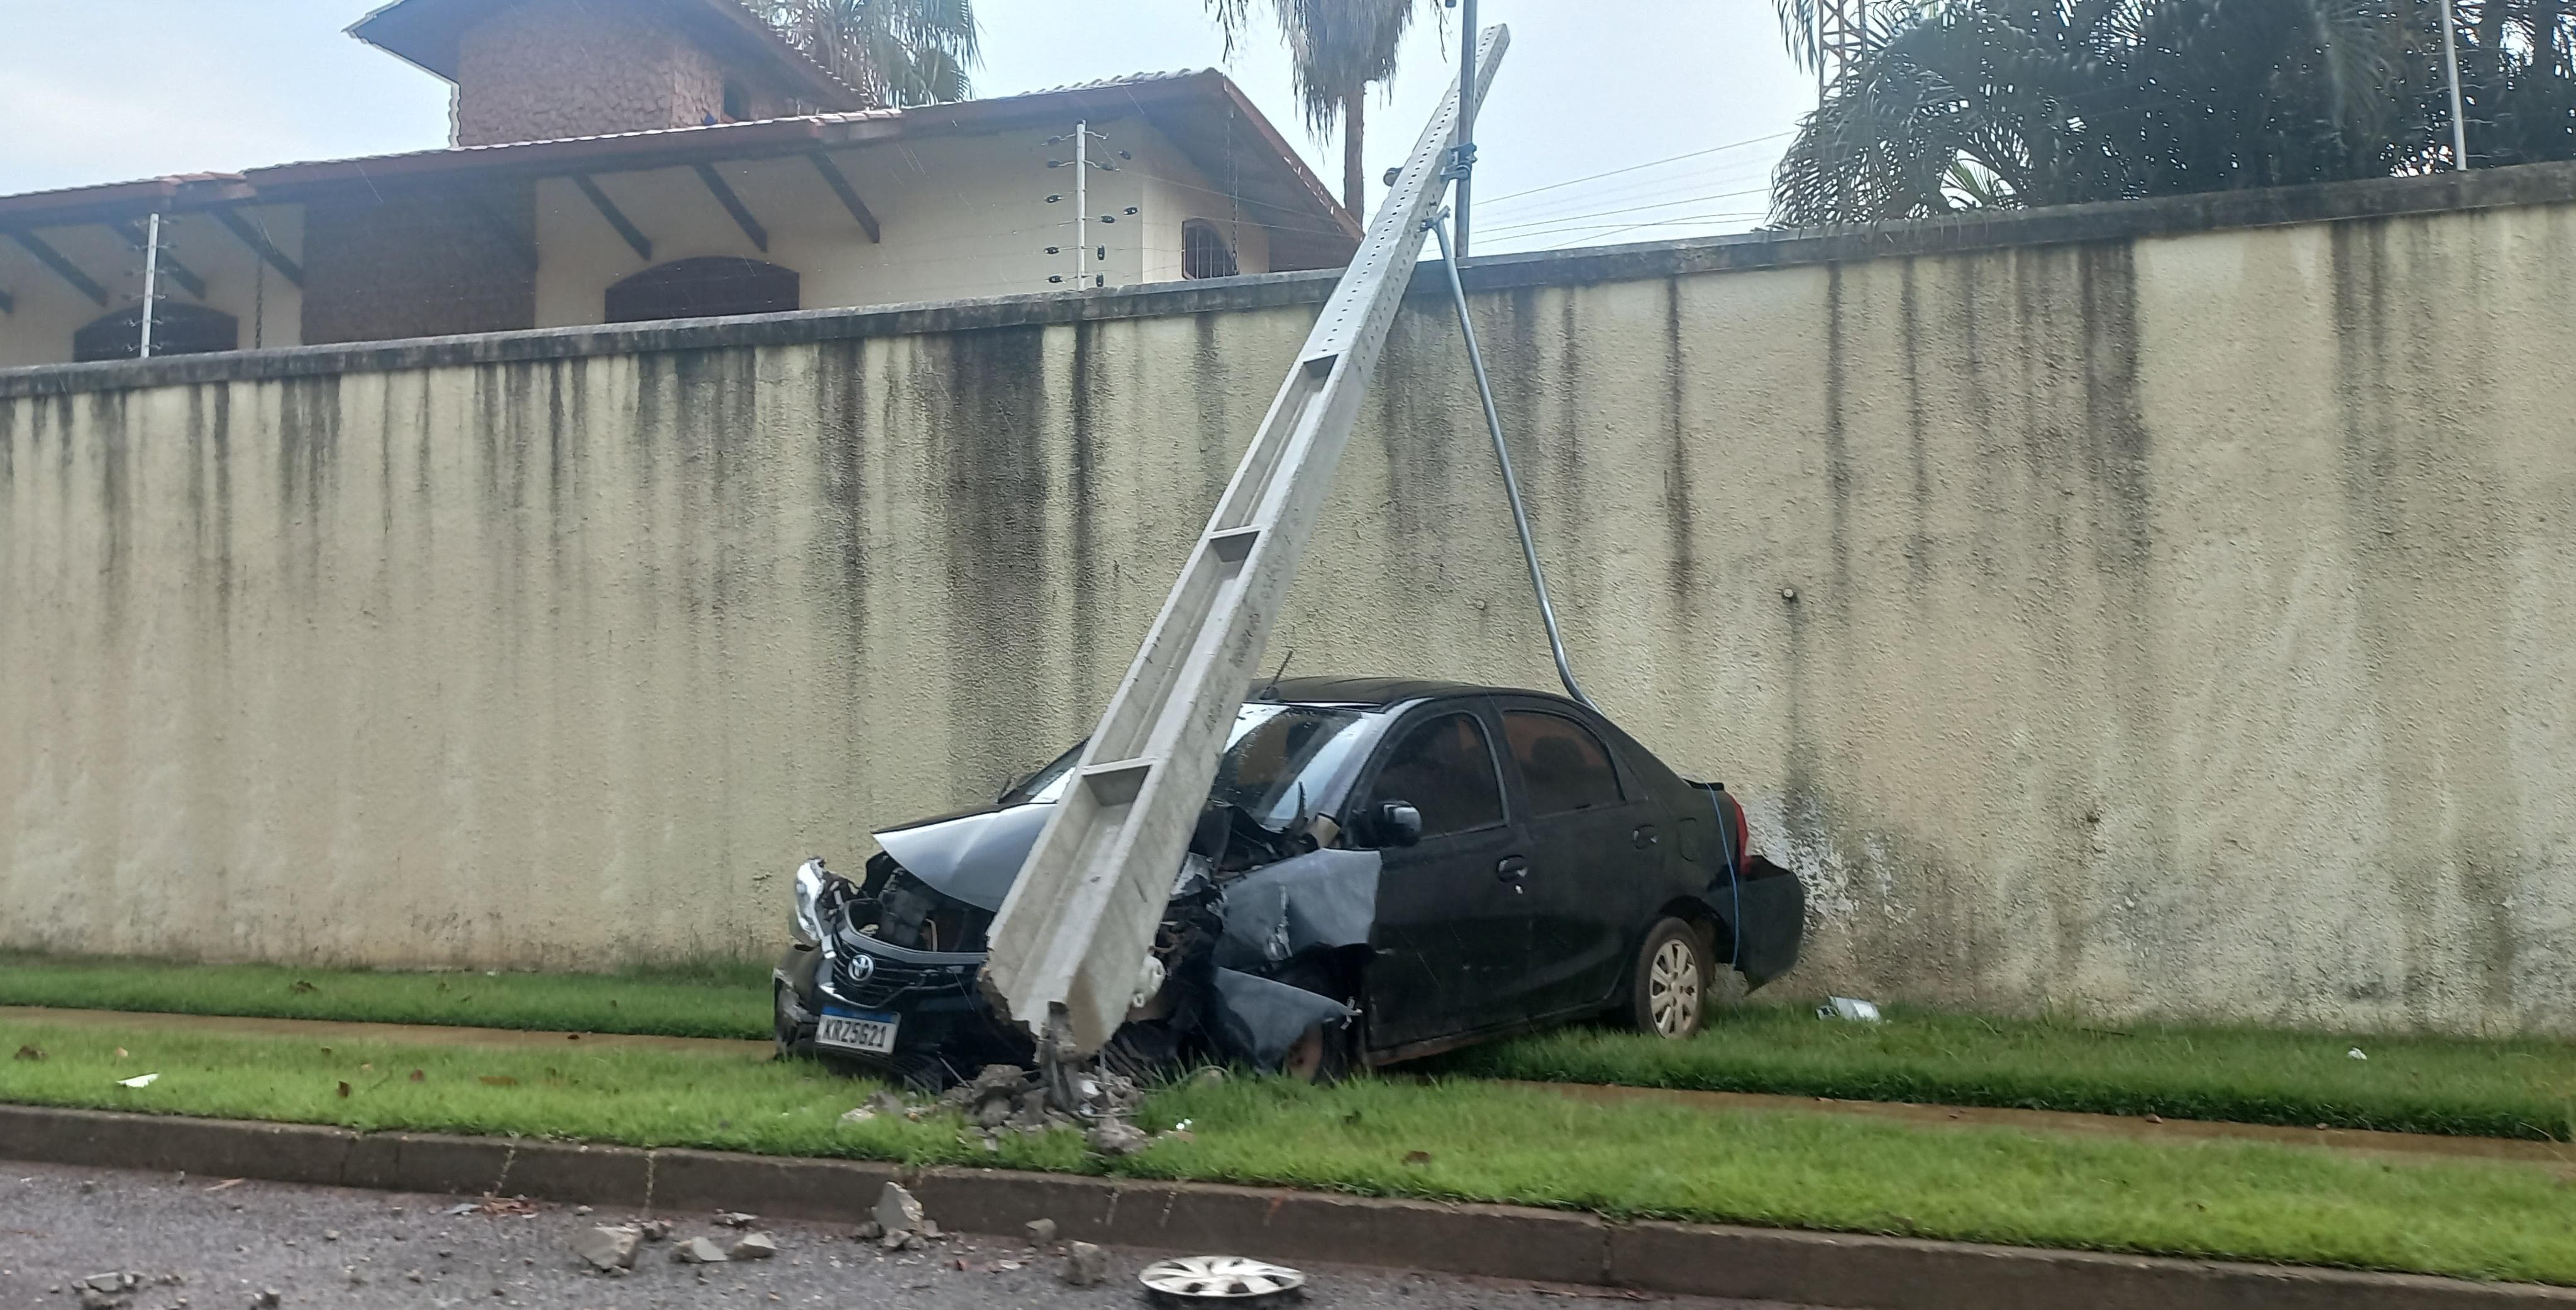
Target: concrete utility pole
[[1071, 940], [1463, 167]]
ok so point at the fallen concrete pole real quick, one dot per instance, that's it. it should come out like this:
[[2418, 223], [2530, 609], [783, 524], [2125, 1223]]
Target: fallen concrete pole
[[1555, 1246], [1072, 936]]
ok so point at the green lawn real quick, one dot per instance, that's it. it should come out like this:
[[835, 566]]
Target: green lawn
[[2489, 1088], [716, 999], [2493, 1088], [1466, 1141]]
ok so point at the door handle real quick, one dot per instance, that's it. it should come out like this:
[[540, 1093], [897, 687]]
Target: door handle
[[1513, 870], [1644, 836]]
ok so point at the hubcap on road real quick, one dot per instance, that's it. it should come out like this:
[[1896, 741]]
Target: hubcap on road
[[1672, 990]]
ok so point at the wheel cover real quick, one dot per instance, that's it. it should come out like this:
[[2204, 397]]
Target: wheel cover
[[1673, 990]]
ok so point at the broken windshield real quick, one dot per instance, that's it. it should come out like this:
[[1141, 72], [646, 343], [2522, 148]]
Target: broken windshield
[[1279, 760]]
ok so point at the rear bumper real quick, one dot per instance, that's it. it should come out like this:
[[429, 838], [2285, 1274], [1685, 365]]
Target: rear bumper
[[1767, 914]]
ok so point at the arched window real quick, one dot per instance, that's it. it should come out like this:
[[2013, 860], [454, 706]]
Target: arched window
[[1204, 252], [711, 287], [178, 328]]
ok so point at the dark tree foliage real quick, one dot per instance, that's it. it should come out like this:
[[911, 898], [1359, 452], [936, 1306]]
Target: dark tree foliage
[[1963, 103]]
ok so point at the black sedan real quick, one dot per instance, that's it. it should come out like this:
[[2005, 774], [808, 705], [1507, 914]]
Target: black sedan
[[1385, 869]]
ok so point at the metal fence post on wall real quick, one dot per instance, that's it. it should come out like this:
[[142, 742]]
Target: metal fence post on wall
[[2451, 70], [151, 284]]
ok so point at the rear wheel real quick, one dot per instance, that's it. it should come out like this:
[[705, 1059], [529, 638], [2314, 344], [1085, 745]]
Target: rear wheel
[[1670, 995]]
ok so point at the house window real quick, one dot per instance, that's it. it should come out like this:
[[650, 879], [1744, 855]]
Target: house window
[[716, 286], [1204, 252], [178, 328]]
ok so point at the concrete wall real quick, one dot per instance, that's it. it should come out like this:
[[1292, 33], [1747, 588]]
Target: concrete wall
[[2183, 615]]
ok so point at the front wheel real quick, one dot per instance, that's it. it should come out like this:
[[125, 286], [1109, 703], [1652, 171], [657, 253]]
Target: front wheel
[[1670, 995]]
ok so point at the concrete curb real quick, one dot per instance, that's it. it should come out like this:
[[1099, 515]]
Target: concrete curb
[[1821, 1269]]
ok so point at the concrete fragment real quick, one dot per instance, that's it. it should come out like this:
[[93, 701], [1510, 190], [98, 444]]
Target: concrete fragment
[[265, 1298], [608, 1246], [93, 1299], [869, 1230], [1085, 1265], [655, 1230], [1041, 1231], [698, 1251], [736, 1219], [993, 1113], [1114, 1138], [757, 1246], [897, 1210], [104, 1282], [929, 1229], [858, 1115]]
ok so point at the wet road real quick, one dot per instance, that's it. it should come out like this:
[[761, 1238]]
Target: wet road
[[204, 1244]]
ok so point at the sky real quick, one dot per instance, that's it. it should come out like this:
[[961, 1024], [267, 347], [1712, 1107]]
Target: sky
[[1698, 92]]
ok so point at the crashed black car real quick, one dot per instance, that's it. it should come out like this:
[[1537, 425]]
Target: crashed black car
[[1385, 869]]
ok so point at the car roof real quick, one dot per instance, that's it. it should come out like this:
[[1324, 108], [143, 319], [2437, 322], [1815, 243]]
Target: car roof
[[1376, 693]]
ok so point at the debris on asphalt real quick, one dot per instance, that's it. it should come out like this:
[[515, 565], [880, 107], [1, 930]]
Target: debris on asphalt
[[462, 1208], [869, 1230], [1041, 1231], [265, 1299], [1085, 1264], [88, 1185], [757, 1246], [898, 1212], [608, 1246], [139, 1081], [93, 1299], [1848, 1008], [735, 1219], [654, 1230], [698, 1251]]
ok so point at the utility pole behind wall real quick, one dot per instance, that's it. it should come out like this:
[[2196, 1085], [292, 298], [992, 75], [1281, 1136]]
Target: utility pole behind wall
[[1842, 37]]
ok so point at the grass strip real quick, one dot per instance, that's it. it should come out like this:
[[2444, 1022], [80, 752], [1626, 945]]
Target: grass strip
[[2524, 1088], [711, 999], [1462, 1141]]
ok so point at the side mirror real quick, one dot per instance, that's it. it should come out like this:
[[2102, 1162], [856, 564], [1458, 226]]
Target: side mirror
[[1394, 823]]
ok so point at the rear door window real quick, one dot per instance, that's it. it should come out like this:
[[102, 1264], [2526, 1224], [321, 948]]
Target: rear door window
[[1563, 765], [1445, 768]]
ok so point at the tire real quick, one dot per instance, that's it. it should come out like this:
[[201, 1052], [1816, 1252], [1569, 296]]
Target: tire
[[1670, 992]]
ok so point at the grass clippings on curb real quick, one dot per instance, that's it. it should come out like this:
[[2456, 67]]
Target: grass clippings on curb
[[2522, 1088], [1454, 1141]]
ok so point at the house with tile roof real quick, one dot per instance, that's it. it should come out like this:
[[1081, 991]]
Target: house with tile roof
[[662, 159]]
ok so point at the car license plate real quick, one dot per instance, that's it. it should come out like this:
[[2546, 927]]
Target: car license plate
[[857, 1030]]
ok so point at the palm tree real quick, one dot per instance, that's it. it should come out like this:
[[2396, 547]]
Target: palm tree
[[1336, 48], [1956, 103], [894, 52]]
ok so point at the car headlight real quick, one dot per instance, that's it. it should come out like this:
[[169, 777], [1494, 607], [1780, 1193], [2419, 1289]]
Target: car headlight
[[805, 922]]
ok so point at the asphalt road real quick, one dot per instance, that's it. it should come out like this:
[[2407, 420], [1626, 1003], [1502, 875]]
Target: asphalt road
[[206, 1244]]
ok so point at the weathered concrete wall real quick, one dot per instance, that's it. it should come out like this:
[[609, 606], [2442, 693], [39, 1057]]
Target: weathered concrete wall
[[2182, 624]]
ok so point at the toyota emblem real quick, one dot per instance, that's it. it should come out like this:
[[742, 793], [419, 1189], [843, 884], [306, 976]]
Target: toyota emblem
[[863, 967]]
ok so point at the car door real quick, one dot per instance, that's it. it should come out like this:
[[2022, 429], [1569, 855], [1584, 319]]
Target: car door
[[1453, 927], [1597, 854]]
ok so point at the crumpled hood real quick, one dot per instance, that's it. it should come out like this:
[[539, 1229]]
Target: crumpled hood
[[972, 857]]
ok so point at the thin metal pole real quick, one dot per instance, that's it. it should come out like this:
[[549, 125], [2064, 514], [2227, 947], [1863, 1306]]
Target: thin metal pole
[[1081, 203], [2451, 65], [1503, 456], [1466, 158], [151, 283]]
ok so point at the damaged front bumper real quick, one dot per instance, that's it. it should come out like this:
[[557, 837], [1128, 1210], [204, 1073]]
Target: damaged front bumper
[[1248, 964]]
